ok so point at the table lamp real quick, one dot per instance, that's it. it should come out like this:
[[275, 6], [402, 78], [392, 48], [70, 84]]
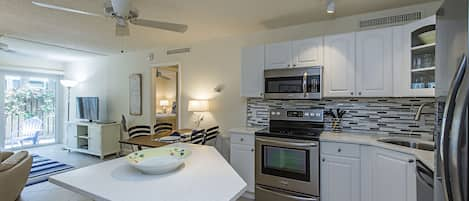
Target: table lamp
[[198, 107], [164, 104]]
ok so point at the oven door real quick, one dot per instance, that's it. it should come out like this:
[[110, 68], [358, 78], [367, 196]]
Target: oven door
[[288, 164], [297, 83]]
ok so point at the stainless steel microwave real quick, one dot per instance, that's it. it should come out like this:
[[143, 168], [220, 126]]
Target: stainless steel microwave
[[293, 83]]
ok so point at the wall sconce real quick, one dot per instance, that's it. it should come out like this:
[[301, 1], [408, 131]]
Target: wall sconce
[[199, 107]]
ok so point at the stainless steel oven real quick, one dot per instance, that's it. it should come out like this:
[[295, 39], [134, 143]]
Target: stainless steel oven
[[293, 83], [287, 156]]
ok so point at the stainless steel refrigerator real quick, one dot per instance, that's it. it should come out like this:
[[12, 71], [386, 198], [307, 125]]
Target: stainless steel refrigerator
[[452, 94]]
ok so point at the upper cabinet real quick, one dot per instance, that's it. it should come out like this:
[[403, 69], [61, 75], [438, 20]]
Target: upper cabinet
[[301, 53], [374, 67], [339, 65], [252, 71], [308, 52], [414, 58], [278, 55]]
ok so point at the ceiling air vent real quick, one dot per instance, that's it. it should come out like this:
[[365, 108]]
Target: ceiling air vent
[[178, 51], [391, 20]]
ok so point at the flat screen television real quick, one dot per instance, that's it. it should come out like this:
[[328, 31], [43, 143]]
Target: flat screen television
[[88, 108]]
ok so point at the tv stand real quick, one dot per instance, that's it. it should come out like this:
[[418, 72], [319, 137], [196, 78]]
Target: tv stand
[[92, 138]]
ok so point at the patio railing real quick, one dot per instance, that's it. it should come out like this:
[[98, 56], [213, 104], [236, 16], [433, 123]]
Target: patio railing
[[15, 123]]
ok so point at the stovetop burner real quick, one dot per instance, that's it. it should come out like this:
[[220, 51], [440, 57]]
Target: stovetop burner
[[295, 124]]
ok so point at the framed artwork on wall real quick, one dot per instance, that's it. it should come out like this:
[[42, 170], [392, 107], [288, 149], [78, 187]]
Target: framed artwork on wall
[[135, 94]]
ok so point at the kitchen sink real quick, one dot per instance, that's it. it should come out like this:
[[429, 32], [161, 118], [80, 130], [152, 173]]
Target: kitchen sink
[[411, 143]]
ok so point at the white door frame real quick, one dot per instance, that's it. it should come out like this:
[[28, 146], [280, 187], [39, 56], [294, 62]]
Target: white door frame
[[153, 89], [58, 99]]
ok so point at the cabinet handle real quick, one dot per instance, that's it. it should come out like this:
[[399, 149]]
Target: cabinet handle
[[411, 160], [288, 65], [323, 160], [339, 150], [294, 65], [252, 150], [360, 93], [242, 139], [351, 93]]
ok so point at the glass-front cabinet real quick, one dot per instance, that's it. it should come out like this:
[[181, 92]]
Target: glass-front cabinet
[[415, 69]]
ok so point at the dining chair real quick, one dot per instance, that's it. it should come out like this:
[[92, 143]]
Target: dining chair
[[161, 127], [197, 136], [139, 130], [211, 135]]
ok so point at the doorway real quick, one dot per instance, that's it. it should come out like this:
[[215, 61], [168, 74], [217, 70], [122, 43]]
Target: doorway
[[29, 114], [165, 98]]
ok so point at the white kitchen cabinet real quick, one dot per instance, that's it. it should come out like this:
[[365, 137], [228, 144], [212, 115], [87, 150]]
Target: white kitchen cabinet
[[252, 71], [299, 53], [308, 52], [242, 154], [391, 176], [374, 59], [278, 55], [339, 65], [414, 59], [340, 178]]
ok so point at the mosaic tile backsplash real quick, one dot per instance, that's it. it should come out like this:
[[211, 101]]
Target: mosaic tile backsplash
[[394, 116]]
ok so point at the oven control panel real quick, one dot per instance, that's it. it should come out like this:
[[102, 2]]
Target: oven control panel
[[297, 115]]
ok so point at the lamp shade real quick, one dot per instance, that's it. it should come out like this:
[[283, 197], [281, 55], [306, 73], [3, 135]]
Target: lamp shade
[[198, 106], [68, 83], [164, 103]]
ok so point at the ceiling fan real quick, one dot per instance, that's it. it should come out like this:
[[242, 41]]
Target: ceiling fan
[[123, 13]]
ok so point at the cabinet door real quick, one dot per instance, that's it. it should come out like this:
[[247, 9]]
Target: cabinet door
[[414, 75], [242, 160], [94, 141], [374, 63], [72, 141], [252, 71], [340, 178], [278, 55], [308, 52], [339, 65], [392, 176]]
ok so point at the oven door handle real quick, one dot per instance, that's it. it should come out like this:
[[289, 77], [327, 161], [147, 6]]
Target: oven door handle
[[289, 196], [295, 144], [305, 78]]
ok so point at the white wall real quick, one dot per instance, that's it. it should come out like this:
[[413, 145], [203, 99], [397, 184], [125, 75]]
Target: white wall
[[210, 63], [18, 62]]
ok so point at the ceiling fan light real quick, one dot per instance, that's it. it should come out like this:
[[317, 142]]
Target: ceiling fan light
[[330, 7]]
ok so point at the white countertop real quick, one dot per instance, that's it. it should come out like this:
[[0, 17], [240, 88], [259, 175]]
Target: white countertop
[[427, 157], [246, 130], [206, 176]]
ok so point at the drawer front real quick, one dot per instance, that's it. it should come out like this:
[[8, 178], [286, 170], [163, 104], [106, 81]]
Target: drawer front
[[340, 149], [237, 138]]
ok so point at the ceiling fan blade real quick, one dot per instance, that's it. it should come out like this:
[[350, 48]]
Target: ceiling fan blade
[[122, 30], [50, 6], [181, 28]]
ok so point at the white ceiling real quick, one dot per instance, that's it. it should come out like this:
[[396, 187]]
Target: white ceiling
[[207, 19]]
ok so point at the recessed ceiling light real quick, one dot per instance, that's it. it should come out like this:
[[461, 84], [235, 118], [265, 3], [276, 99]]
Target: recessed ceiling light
[[330, 6]]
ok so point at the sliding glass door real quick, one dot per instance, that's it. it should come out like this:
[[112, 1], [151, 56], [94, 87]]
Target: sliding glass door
[[29, 113]]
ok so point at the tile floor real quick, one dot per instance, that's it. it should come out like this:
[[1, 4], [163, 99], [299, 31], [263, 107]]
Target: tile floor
[[49, 192]]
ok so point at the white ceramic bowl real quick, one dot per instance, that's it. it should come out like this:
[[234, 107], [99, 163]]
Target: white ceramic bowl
[[158, 160]]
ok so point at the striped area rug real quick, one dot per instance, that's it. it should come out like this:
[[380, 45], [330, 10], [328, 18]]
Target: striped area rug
[[43, 168]]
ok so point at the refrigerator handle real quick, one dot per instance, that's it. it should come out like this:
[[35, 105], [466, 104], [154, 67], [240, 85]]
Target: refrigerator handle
[[446, 125], [458, 129]]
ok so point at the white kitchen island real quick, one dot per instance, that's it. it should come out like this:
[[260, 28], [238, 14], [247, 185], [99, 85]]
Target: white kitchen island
[[205, 176]]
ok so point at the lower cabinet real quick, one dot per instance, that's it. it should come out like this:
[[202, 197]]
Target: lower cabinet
[[392, 176], [340, 178], [242, 159], [375, 174]]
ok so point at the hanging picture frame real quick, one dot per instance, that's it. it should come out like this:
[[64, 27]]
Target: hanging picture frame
[[135, 94]]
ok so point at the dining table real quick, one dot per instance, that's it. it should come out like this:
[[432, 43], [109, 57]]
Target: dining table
[[152, 141]]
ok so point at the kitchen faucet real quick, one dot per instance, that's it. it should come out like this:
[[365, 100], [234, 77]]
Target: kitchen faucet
[[419, 111]]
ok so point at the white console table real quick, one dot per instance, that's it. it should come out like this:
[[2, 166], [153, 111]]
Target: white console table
[[92, 138]]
